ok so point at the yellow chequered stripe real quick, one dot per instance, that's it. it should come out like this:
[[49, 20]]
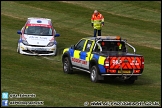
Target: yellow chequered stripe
[[76, 54], [89, 56], [101, 60], [67, 49]]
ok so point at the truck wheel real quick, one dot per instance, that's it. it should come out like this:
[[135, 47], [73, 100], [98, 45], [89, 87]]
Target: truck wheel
[[94, 74], [67, 66]]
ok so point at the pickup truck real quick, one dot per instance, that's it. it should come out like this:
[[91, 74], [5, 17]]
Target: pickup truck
[[104, 56]]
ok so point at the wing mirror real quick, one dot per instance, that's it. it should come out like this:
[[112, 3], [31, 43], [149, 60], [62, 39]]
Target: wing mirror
[[19, 32], [57, 35]]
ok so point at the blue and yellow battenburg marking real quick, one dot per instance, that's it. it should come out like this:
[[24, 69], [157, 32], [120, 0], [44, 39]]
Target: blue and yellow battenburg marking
[[82, 56]]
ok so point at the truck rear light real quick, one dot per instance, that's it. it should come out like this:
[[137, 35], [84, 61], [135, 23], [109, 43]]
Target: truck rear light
[[136, 71], [112, 71], [142, 60], [106, 63], [107, 70]]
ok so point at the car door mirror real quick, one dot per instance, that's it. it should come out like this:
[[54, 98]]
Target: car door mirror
[[19, 32], [57, 35]]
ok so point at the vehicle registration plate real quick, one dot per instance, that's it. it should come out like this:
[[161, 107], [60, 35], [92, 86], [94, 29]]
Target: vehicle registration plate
[[124, 71]]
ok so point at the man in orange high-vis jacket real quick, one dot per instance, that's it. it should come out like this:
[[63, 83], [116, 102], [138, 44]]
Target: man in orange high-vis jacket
[[97, 21]]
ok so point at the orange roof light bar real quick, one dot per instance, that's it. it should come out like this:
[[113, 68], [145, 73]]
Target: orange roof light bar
[[109, 37]]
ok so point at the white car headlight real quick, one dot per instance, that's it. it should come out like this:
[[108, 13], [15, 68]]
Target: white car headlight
[[50, 44], [24, 42]]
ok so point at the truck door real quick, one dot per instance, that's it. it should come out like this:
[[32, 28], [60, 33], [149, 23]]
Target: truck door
[[85, 55], [76, 60]]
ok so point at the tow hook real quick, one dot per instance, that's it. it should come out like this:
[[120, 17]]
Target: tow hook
[[124, 77]]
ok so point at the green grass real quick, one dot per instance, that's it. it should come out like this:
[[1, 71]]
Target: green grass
[[138, 22]]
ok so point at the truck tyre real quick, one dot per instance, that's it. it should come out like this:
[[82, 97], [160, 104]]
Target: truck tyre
[[94, 74], [67, 65]]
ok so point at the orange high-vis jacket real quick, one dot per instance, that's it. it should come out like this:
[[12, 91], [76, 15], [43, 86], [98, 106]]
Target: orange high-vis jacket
[[97, 21]]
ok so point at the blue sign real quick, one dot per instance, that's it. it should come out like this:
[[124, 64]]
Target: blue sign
[[4, 102], [5, 95]]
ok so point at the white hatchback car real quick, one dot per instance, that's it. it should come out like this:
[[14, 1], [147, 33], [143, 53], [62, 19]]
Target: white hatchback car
[[37, 37]]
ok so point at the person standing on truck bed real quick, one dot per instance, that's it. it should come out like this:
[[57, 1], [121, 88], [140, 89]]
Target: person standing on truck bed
[[97, 21]]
